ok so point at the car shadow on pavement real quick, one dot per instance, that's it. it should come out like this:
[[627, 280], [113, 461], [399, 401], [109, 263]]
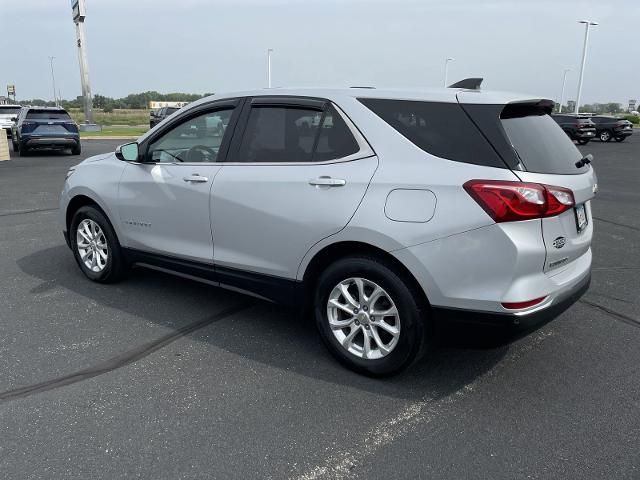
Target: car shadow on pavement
[[270, 334]]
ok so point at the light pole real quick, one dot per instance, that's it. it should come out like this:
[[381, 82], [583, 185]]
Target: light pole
[[53, 80], [564, 81], [269, 52], [588, 24], [446, 69]]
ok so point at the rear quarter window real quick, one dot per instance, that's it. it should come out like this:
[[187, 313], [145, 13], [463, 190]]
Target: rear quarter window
[[441, 129]]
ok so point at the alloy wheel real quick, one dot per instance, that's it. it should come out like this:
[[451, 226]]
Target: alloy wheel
[[363, 318], [92, 245]]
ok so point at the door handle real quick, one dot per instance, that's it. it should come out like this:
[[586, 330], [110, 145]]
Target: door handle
[[325, 181], [196, 178]]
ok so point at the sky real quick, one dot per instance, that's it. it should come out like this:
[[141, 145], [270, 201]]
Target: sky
[[200, 46]]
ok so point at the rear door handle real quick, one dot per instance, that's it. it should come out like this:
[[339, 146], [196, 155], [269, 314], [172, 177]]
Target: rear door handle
[[196, 178], [327, 182]]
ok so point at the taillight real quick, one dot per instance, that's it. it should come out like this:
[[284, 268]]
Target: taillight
[[506, 201]]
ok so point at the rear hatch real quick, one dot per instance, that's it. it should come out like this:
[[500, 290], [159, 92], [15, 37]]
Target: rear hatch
[[48, 123], [537, 150], [7, 114]]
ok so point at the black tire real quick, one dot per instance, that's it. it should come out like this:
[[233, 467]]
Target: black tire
[[23, 151], [406, 299], [583, 141], [620, 139], [77, 150], [15, 145], [116, 266], [605, 136]]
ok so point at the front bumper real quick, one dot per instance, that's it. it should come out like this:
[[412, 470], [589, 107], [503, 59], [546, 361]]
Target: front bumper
[[623, 133], [519, 320]]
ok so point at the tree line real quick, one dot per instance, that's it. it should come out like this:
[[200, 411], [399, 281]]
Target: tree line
[[132, 101]]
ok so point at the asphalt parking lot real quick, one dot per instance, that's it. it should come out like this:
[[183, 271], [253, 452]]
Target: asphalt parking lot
[[160, 377]]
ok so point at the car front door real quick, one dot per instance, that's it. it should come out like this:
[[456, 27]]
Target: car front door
[[296, 173], [164, 198]]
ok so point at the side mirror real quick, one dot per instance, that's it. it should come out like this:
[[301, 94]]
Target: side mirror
[[13, 119], [128, 152]]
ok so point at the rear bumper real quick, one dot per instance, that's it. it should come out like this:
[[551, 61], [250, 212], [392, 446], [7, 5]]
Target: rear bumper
[[51, 142], [585, 133], [520, 320]]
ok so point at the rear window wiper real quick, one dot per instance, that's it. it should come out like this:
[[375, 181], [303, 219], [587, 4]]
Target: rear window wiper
[[586, 160]]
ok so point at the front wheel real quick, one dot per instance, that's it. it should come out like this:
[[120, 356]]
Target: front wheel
[[605, 136], [583, 141], [96, 247], [368, 316], [620, 139]]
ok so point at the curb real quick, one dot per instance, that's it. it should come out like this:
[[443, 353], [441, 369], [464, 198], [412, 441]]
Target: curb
[[108, 138]]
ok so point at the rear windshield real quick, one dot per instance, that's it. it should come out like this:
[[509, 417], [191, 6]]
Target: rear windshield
[[9, 110], [527, 137], [48, 115], [541, 145], [171, 110], [441, 129]]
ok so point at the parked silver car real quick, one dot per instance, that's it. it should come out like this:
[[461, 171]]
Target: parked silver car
[[383, 210]]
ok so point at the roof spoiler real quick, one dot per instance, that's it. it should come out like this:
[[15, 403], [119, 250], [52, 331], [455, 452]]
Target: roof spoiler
[[468, 84]]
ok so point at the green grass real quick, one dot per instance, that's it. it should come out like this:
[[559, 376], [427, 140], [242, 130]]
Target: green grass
[[116, 132], [117, 117]]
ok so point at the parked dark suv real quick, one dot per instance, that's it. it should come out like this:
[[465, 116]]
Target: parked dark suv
[[45, 128], [155, 117], [612, 127], [579, 128]]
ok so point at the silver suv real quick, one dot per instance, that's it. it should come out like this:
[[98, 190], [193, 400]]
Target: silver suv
[[384, 211]]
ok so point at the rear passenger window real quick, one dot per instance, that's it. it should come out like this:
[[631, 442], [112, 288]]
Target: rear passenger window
[[291, 134], [441, 129]]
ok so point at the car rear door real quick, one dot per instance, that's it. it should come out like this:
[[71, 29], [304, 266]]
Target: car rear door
[[296, 174]]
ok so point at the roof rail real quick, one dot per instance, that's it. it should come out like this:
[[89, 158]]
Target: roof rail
[[468, 84], [362, 86]]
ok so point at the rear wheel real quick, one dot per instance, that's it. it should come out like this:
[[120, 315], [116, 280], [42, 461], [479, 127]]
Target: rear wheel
[[368, 316], [96, 247], [77, 150], [605, 136], [620, 139], [583, 141], [23, 151]]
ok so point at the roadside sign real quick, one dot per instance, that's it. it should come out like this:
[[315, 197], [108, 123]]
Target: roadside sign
[[11, 90], [77, 9]]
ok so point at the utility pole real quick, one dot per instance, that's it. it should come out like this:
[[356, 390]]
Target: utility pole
[[53, 80], [269, 52], [564, 81], [588, 24], [79, 14]]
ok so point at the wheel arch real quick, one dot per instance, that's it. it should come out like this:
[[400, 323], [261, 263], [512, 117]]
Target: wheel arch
[[335, 251], [83, 200]]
